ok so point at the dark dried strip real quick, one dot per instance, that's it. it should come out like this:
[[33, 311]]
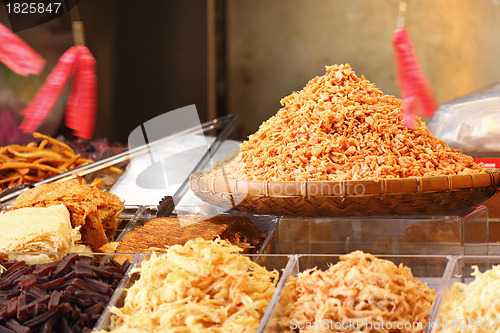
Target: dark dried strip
[[17, 327], [65, 296]]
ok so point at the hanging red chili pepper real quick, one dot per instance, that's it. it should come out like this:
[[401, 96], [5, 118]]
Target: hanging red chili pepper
[[416, 91], [81, 105], [17, 55], [44, 101], [77, 62]]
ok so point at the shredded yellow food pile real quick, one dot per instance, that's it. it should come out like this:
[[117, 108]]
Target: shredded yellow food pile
[[341, 127], [360, 293], [474, 307], [202, 286]]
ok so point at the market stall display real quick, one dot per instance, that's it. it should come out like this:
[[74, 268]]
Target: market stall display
[[276, 243]]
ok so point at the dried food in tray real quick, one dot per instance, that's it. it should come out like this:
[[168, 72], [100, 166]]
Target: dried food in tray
[[471, 296], [155, 234], [127, 218], [70, 293], [431, 270], [202, 272], [37, 161]]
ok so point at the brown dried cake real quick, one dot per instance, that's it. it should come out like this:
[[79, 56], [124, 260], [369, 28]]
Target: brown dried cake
[[159, 233], [92, 209]]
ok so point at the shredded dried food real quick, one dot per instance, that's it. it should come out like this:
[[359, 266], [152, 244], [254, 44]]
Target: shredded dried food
[[341, 127], [202, 286], [474, 307], [360, 289]]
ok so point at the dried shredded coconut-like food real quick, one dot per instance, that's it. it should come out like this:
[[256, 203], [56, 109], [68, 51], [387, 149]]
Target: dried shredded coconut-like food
[[360, 293], [474, 307], [341, 127], [202, 286]]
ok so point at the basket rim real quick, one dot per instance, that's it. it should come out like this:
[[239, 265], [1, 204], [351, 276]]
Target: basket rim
[[208, 182]]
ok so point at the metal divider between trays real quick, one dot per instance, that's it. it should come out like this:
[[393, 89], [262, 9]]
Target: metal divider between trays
[[440, 293], [130, 224], [103, 320], [280, 287]]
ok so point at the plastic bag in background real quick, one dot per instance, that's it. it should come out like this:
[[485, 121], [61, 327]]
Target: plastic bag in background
[[470, 123]]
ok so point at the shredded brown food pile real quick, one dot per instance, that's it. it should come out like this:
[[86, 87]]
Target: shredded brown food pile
[[371, 293], [341, 127]]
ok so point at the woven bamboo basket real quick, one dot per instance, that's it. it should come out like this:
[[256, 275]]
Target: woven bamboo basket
[[438, 195]]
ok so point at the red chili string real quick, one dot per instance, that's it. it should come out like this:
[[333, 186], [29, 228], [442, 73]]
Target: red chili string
[[77, 62], [416, 91], [81, 105], [44, 101], [17, 55]]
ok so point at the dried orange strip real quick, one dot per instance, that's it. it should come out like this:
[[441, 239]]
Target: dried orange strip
[[19, 165], [53, 141]]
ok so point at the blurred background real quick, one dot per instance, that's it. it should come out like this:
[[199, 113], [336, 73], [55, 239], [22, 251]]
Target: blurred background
[[243, 56]]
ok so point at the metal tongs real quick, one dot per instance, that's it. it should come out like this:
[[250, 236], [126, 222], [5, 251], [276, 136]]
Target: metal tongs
[[167, 204], [224, 124]]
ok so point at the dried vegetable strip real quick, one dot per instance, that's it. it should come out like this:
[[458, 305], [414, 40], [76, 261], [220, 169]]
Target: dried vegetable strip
[[341, 127]]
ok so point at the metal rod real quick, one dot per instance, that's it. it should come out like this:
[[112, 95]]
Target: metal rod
[[402, 13]]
